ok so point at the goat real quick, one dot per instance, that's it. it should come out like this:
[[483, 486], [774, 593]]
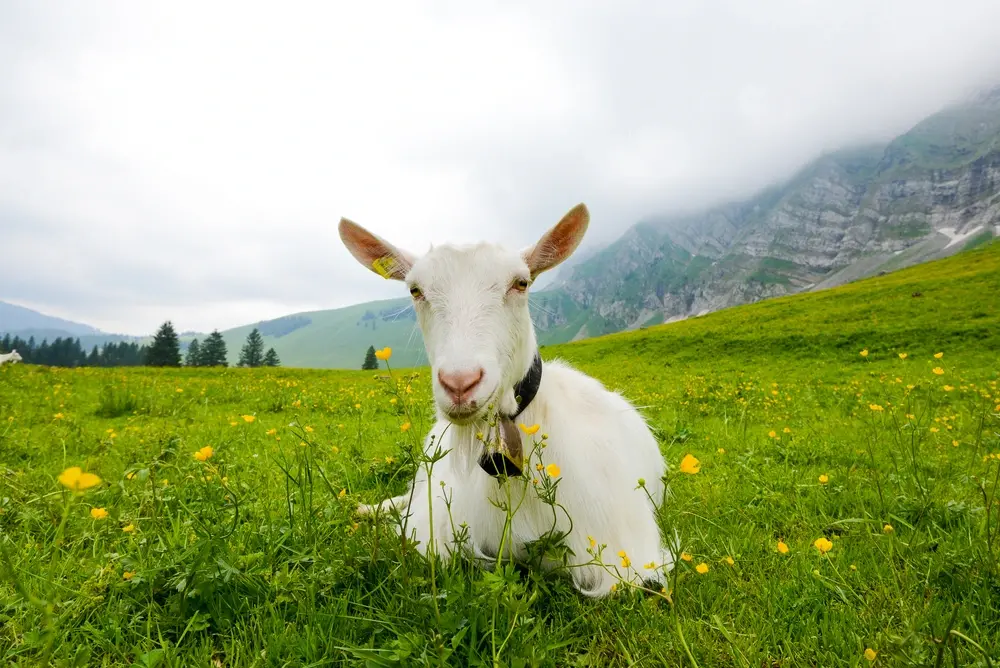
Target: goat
[[471, 304], [13, 357]]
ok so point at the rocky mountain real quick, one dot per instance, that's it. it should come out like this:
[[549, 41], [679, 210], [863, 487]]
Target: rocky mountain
[[929, 193]]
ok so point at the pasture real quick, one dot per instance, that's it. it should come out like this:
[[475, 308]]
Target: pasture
[[845, 510]]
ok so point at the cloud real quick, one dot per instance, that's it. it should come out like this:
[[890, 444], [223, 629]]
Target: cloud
[[190, 161]]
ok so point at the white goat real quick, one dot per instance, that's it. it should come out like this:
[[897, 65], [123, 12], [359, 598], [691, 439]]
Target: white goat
[[13, 357], [471, 305]]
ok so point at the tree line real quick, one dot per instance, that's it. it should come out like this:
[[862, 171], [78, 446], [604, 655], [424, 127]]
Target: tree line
[[165, 350]]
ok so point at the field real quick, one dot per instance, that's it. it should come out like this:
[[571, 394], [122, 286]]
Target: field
[[857, 429]]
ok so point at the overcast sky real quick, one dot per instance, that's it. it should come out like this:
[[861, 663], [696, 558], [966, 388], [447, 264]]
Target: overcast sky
[[190, 161]]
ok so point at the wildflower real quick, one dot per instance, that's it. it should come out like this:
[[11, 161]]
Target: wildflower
[[686, 557], [938, 370], [309, 429], [876, 408], [903, 356], [787, 430], [357, 406], [342, 494], [824, 478], [128, 575], [864, 353], [75, 479], [702, 568], [690, 464], [529, 430], [823, 545], [954, 444], [552, 470], [722, 451], [384, 354], [392, 401], [405, 426], [179, 390], [271, 432], [772, 434], [934, 430], [130, 476], [390, 460], [233, 423], [204, 454], [870, 654], [650, 566], [853, 567], [593, 543], [938, 356], [948, 388], [129, 528], [249, 418], [58, 416], [98, 513], [729, 560], [626, 562], [887, 529], [782, 548]]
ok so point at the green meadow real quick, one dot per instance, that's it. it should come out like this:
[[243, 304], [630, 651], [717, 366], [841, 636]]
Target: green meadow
[[845, 509]]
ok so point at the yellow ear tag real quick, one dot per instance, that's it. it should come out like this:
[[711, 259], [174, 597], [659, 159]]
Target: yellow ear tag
[[384, 266]]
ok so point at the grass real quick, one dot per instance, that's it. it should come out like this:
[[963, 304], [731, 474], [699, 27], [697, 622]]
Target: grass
[[807, 419]]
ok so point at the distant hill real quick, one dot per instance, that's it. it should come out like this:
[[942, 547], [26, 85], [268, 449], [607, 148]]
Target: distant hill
[[15, 318]]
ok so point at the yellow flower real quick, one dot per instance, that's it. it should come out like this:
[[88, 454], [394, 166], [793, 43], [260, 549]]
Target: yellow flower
[[954, 444], [553, 470], [650, 566], [390, 460], [271, 432], [128, 528], [204, 454], [384, 354], [722, 451], [772, 434], [729, 560], [876, 407], [934, 430], [393, 400], [903, 356], [686, 557], [938, 370], [690, 464], [593, 543], [249, 418], [342, 494], [626, 562], [232, 424], [823, 545], [823, 479], [179, 390], [787, 430], [702, 568], [309, 429], [887, 529], [128, 575], [58, 416], [357, 405], [870, 654], [98, 513], [864, 353], [948, 388], [938, 356], [782, 547], [529, 430], [75, 479], [405, 426]]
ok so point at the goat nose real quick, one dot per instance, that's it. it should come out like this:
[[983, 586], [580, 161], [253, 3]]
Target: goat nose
[[459, 383]]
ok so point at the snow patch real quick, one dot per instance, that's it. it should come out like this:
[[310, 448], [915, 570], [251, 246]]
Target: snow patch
[[958, 238]]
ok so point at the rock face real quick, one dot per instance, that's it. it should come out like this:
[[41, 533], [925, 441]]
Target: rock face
[[929, 193]]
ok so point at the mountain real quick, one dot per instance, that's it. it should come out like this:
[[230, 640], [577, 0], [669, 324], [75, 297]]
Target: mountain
[[15, 318], [850, 214]]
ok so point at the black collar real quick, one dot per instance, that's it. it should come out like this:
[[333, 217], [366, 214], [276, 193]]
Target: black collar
[[496, 463]]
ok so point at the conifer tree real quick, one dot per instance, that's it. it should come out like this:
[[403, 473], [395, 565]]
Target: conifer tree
[[193, 354], [371, 362], [213, 351], [165, 349], [252, 353], [271, 358]]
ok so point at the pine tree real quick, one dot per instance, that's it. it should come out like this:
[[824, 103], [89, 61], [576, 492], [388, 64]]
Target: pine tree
[[271, 358], [371, 362], [193, 354], [165, 349], [252, 353], [213, 351], [94, 359]]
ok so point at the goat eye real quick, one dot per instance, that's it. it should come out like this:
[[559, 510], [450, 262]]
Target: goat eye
[[520, 284], [416, 293]]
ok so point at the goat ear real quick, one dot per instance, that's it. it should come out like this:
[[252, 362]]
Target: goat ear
[[559, 242], [374, 252]]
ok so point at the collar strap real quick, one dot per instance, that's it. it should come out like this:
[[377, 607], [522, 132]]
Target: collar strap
[[506, 460]]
